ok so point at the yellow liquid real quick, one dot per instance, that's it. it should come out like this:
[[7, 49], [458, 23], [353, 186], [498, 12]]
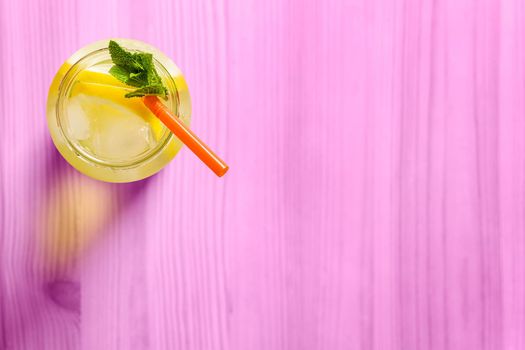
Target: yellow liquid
[[105, 135], [107, 125]]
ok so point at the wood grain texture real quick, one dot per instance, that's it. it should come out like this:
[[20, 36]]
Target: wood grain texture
[[376, 197]]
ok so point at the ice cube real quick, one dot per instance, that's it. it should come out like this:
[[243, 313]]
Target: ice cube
[[120, 137], [117, 133], [77, 121]]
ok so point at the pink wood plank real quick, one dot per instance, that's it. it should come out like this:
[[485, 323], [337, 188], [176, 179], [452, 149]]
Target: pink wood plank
[[375, 198]]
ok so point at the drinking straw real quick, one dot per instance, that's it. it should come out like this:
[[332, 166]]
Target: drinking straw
[[184, 134]]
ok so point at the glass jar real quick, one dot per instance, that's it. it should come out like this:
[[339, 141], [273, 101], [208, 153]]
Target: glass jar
[[103, 165]]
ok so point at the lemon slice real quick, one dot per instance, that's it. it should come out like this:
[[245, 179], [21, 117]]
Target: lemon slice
[[98, 75], [105, 87]]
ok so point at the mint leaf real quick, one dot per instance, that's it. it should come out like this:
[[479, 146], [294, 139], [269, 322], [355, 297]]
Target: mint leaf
[[123, 58], [158, 90], [147, 62], [119, 73], [138, 79], [137, 70]]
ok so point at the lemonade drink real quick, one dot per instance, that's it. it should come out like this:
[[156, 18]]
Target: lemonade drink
[[100, 132]]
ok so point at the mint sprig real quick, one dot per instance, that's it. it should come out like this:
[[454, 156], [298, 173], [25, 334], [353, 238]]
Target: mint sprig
[[137, 70]]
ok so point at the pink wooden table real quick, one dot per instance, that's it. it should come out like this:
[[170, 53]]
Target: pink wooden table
[[376, 197]]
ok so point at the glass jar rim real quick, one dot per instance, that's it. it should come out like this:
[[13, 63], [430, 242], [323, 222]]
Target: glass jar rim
[[93, 57]]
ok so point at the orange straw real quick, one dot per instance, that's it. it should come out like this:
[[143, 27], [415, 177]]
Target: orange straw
[[186, 135]]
